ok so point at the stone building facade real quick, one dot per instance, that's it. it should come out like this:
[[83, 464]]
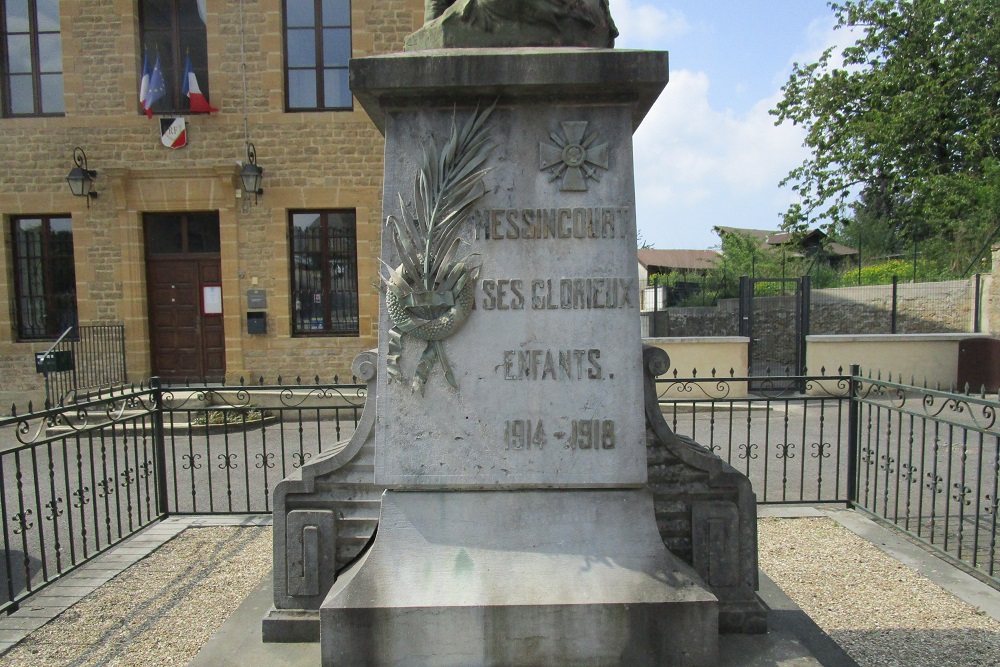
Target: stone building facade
[[250, 58]]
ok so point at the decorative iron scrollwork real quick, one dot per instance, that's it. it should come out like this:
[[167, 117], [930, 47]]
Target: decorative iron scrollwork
[[21, 522], [228, 462]]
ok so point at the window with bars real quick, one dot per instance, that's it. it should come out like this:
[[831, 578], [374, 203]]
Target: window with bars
[[173, 30], [324, 273], [30, 58], [317, 50], [44, 276]]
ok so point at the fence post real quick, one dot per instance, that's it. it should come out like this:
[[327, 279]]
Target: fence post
[[121, 337], [853, 436], [656, 309], [159, 448], [76, 347], [976, 327], [802, 321], [744, 312], [895, 301]]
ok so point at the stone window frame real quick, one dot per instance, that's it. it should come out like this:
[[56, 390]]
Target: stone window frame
[[43, 311], [323, 270], [181, 38], [40, 36], [325, 59]]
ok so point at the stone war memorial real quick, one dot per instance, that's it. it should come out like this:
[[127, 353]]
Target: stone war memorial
[[512, 495]]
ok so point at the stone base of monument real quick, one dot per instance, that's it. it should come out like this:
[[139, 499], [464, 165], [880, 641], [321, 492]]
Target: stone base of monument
[[519, 578]]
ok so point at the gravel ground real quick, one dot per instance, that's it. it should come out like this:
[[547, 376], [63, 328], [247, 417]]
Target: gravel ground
[[160, 611], [880, 611]]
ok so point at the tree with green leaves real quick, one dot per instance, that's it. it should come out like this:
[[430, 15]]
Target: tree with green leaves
[[903, 126]]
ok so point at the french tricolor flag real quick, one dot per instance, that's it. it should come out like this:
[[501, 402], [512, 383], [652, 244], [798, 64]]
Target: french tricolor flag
[[197, 102]]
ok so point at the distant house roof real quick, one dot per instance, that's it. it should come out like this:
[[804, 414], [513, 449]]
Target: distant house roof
[[762, 234], [812, 237], [698, 260]]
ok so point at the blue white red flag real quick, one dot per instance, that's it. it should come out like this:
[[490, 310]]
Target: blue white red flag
[[144, 84], [196, 100], [157, 88]]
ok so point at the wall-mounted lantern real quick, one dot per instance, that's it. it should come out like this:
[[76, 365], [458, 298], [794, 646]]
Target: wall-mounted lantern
[[252, 175], [81, 179]]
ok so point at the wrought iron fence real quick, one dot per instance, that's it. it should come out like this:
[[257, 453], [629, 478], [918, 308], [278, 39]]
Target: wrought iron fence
[[84, 357], [924, 460], [77, 480], [74, 482], [928, 462], [789, 437], [226, 447]]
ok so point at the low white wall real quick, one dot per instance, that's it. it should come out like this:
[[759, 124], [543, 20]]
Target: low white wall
[[725, 354], [930, 357]]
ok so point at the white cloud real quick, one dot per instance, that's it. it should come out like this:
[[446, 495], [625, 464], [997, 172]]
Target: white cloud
[[697, 167], [821, 34], [643, 25]]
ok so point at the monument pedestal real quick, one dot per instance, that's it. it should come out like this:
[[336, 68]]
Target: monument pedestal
[[510, 428], [519, 578]]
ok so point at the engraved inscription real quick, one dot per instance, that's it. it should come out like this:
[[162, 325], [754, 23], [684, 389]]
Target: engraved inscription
[[503, 295], [558, 294], [591, 434], [552, 365], [583, 435], [539, 224], [524, 434]]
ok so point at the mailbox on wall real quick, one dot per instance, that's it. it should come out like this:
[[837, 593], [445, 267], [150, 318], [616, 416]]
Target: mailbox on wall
[[56, 362], [257, 323], [256, 316]]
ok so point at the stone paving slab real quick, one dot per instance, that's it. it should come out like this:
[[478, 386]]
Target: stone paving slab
[[793, 640]]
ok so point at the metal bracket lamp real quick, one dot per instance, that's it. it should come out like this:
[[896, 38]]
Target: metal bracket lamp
[[251, 174], [81, 179]]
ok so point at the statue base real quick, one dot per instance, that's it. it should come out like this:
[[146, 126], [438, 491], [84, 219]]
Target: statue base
[[466, 24], [519, 578]]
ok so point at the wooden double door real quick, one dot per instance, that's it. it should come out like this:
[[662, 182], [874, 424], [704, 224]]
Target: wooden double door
[[184, 280]]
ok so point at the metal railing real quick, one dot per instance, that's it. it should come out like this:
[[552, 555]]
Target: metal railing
[[226, 447], [924, 460], [78, 480], [791, 444], [83, 358], [73, 483], [928, 461]]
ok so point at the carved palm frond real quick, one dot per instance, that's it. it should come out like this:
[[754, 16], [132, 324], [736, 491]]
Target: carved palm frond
[[431, 292], [426, 234]]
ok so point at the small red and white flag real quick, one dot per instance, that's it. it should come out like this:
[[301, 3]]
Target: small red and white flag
[[173, 133], [197, 101]]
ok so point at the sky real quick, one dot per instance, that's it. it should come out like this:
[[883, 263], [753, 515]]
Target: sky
[[708, 152]]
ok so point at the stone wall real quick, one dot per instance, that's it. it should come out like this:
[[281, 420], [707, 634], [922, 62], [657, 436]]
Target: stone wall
[[942, 307], [311, 160], [720, 320]]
